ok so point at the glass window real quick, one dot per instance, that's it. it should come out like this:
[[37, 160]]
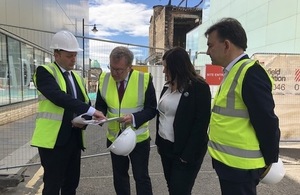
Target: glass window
[[29, 91], [38, 58], [18, 61], [48, 58], [4, 95], [15, 70]]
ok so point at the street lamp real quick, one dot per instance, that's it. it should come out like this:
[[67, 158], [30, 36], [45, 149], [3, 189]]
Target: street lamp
[[94, 30]]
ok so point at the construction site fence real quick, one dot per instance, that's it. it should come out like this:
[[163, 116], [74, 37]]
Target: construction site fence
[[18, 120], [284, 68]]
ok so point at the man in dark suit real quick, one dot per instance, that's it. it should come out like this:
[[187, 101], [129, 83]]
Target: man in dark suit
[[62, 96], [129, 94], [244, 130]]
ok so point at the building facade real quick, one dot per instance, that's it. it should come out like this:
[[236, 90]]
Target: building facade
[[168, 28], [271, 25], [26, 29], [273, 33]]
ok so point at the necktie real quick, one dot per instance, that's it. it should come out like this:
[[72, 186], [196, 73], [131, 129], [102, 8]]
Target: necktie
[[121, 90], [69, 84]]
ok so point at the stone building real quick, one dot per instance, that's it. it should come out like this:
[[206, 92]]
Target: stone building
[[168, 28]]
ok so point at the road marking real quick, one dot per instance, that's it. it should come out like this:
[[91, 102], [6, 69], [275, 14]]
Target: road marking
[[10, 165], [35, 178], [39, 192]]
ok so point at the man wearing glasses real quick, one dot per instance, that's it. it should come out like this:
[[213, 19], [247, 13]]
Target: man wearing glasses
[[129, 94]]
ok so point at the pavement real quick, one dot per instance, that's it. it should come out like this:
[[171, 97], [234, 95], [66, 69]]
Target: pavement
[[96, 173]]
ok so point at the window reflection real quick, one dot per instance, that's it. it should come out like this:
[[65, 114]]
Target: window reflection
[[17, 67]]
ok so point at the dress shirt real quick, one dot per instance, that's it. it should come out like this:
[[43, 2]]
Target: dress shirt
[[91, 110], [230, 65], [167, 107]]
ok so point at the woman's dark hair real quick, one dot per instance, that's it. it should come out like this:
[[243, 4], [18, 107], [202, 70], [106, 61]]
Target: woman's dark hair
[[180, 68], [230, 29]]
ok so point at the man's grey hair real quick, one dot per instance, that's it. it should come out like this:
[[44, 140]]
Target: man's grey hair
[[119, 52]]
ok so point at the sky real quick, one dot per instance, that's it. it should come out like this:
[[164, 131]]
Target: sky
[[126, 20]]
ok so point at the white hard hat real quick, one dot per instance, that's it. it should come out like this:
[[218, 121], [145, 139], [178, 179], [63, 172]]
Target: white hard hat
[[274, 173], [125, 143], [65, 40]]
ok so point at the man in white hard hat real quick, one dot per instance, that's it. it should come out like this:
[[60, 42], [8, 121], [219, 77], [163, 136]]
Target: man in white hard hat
[[62, 96]]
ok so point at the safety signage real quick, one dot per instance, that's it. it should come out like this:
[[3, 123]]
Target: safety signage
[[214, 74], [285, 71]]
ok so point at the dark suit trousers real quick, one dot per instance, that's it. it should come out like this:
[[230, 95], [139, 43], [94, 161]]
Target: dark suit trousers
[[139, 159], [237, 181], [62, 167], [180, 176]]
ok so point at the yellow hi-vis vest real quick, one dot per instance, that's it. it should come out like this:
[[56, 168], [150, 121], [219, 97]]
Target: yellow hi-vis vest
[[132, 101], [232, 138], [49, 116]]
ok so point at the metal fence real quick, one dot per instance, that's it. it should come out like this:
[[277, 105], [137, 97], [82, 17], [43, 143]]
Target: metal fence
[[18, 119], [285, 70]]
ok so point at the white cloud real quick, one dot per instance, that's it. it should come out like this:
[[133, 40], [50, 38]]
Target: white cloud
[[115, 17], [100, 51], [119, 17]]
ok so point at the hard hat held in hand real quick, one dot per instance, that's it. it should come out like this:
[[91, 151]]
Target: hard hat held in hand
[[274, 173], [125, 143], [65, 40]]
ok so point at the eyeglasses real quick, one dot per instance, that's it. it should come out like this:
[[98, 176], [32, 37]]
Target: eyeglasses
[[118, 71]]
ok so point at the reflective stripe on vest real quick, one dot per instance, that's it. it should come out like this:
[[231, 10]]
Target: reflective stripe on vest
[[235, 151], [108, 91], [230, 110], [49, 115]]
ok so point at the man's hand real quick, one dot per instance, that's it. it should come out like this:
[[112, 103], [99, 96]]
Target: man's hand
[[127, 119], [98, 115]]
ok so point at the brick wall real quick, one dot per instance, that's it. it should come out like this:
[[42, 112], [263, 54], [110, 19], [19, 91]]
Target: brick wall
[[17, 111]]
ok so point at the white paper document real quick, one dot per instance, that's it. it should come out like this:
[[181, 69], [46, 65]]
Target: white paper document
[[81, 120]]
